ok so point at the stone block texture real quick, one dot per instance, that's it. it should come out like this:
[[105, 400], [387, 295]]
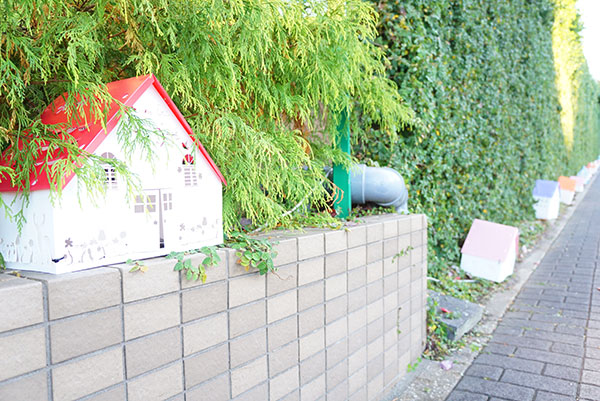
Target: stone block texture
[[340, 320]]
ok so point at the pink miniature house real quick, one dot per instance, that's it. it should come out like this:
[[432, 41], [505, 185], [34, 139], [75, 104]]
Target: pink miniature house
[[490, 250], [579, 183], [179, 207]]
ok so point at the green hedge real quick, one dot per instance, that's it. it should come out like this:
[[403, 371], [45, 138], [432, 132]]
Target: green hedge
[[481, 78]]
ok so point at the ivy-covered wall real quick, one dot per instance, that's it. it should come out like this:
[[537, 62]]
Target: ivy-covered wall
[[483, 80]]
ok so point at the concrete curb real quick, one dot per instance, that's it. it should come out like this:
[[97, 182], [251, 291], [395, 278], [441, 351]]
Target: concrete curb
[[428, 382]]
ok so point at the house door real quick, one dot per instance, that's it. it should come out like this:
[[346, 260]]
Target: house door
[[167, 224], [146, 222]]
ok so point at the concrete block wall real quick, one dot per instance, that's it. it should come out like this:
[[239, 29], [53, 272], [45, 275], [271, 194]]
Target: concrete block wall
[[340, 320]]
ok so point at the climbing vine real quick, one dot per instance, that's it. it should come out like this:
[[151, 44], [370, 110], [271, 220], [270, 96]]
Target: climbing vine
[[483, 78]]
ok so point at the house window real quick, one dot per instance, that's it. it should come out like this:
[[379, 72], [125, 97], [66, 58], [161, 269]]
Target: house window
[[144, 204], [138, 207], [110, 179], [167, 201], [190, 178]]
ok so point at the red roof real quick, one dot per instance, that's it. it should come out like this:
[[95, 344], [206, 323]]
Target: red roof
[[89, 136]]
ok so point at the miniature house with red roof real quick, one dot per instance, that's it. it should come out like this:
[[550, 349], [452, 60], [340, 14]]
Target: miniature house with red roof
[[490, 250], [178, 208]]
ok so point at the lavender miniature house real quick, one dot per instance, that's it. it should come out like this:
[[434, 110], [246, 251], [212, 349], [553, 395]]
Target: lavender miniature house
[[547, 199]]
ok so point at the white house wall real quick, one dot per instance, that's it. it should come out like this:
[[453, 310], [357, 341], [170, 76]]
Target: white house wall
[[35, 242]]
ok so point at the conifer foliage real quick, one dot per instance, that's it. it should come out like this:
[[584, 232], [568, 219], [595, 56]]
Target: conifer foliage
[[261, 84]]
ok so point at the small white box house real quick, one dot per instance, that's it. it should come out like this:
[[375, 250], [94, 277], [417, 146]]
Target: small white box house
[[178, 209], [592, 167], [546, 195], [490, 250], [579, 183], [567, 189], [585, 174]]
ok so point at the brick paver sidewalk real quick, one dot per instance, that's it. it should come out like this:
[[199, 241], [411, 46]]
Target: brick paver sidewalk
[[547, 346]]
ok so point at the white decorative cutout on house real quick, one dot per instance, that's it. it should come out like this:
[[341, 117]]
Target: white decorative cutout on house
[[169, 215]]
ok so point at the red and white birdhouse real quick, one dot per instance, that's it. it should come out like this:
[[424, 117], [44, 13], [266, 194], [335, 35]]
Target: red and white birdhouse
[[490, 250], [179, 207]]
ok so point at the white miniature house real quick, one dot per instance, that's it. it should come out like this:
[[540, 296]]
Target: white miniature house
[[179, 208], [547, 199], [490, 250], [567, 189]]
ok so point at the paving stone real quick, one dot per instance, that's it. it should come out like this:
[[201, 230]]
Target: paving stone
[[502, 390], [540, 382], [589, 391], [568, 349], [562, 372], [484, 371], [590, 377], [500, 349], [458, 395], [545, 396], [544, 356], [521, 341], [511, 363], [557, 337]]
